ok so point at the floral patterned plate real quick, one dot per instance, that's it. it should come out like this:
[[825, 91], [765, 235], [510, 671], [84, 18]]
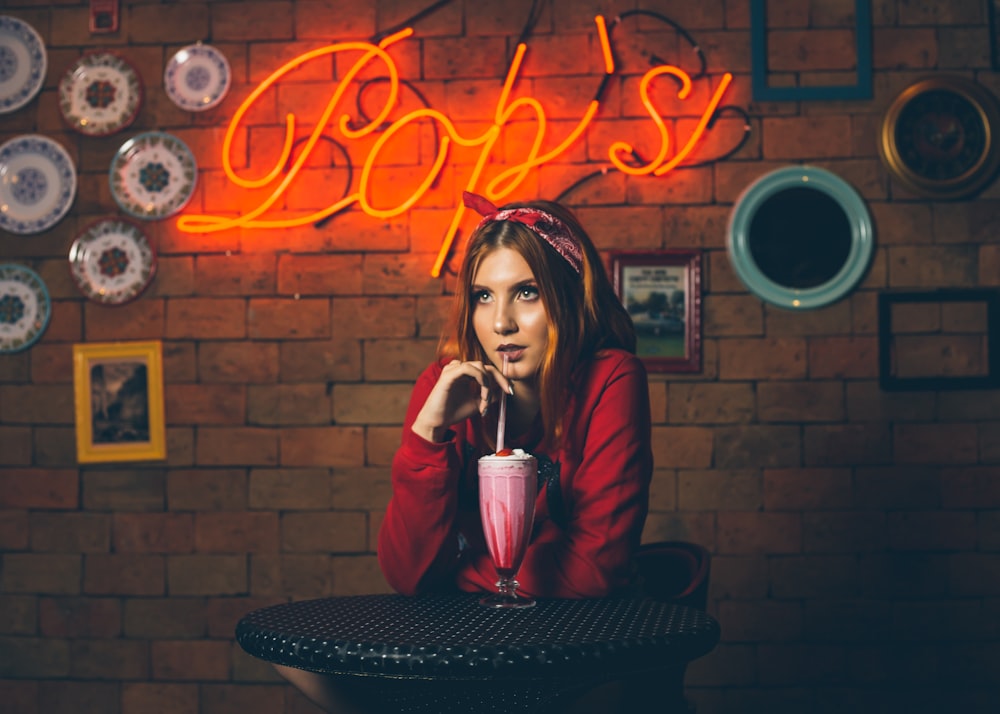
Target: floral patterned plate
[[23, 63], [197, 77], [25, 307], [112, 261], [37, 184], [100, 94], [153, 175]]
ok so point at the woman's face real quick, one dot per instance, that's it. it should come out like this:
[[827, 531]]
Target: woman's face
[[508, 315]]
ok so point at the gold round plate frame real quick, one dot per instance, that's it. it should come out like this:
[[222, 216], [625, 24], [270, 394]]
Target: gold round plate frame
[[938, 137]]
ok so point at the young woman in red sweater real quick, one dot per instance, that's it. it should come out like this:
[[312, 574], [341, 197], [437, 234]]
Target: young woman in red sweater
[[532, 287]]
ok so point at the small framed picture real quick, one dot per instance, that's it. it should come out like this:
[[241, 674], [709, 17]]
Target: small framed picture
[[662, 293], [118, 389]]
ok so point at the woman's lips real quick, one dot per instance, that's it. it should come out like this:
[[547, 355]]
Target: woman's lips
[[511, 352]]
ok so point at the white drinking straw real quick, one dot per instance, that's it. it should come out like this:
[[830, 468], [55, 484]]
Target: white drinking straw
[[502, 418]]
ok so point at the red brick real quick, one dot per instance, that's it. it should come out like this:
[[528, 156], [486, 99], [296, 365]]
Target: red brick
[[322, 361], [932, 531], [205, 404], [165, 618], [319, 275], [18, 615], [162, 697], [719, 490], [733, 315], [759, 445], [124, 575], [774, 358], [72, 617], [137, 490], [186, 660], [207, 574], [109, 659], [236, 532], [291, 575], [19, 696], [15, 446], [39, 488], [207, 490], [935, 444], [153, 533], [222, 613], [844, 532], [800, 401], [374, 317], [322, 446], [236, 275], [71, 697], [814, 576], [710, 403], [358, 575], [761, 620], [288, 404], [755, 532], [336, 532], [206, 318], [381, 444], [242, 698], [36, 404], [393, 360], [304, 319], [399, 275], [42, 573], [290, 489], [814, 489], [240, 362], [13, 530], [70, 532], [680, 447], [370, 403], [850, 444], [218, 446], [37, 657], [142, 319]]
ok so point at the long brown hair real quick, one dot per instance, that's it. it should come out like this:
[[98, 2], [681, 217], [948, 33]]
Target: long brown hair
[[584, 314]]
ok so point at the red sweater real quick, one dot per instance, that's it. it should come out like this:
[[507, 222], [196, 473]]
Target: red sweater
[[431, 537]]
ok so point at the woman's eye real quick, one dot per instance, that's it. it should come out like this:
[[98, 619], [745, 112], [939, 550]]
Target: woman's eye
[[480, 296], [529, 292]]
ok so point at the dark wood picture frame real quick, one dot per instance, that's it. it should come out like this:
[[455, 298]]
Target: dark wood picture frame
[[763, 91], [662, 292], [930, 337]]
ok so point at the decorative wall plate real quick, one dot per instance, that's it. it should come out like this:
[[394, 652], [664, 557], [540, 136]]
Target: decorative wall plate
[[112, 261], [153, 175], [25, 307], [800, 237], [197, 77], [100, 94], [37, 183], [23, 63], [939, 137]]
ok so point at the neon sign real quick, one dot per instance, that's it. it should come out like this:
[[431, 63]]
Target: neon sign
[[282, 175]]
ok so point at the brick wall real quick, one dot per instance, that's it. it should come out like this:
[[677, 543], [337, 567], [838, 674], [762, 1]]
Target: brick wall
[[855, 533]]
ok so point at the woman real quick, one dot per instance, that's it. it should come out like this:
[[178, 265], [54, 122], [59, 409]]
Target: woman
[[532, 287]]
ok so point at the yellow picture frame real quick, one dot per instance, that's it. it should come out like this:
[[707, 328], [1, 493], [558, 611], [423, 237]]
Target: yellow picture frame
[[118, 396]]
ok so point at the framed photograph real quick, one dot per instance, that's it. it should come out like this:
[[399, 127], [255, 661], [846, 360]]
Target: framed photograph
[[662, 293], [118, 389]]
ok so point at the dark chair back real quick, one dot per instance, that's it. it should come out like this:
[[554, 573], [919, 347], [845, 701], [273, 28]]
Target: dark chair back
[[675, 571]]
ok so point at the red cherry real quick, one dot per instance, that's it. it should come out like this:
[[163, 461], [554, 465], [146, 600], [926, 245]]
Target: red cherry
[[505, 452]]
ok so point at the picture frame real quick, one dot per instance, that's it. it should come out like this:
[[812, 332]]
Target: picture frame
[[661, 291], [939, 339], [763, 91], [118, 397]]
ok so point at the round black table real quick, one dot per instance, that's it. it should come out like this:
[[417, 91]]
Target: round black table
[[446, 653]]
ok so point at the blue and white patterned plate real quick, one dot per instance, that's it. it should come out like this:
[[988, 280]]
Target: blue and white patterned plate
[[25, 307], [197, 77], [23, 62], [37, 184], [153, 175], [112, 262], [100, 94]]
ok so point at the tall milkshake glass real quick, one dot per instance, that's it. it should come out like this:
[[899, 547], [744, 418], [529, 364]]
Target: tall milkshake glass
[[507, 489]]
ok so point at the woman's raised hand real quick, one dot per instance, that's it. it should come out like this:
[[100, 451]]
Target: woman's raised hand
[[463, 389]]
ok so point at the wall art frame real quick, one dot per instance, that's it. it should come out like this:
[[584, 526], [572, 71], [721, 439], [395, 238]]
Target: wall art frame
[[763, 91], [118, 390], [661, 290], [891, 344]]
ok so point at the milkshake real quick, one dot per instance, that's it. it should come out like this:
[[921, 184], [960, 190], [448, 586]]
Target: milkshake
[[508, 485]]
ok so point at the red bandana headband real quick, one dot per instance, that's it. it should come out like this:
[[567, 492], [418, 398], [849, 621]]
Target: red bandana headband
[[546, 226]]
